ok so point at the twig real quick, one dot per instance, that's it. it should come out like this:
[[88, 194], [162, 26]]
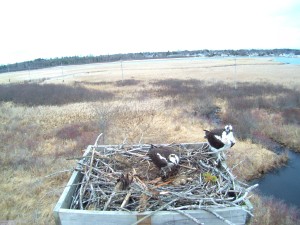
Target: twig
[[218, 216], [59, 172], [109, 200], [96, 142], [187, 167], [187, 215], [79, 157], [92, 159], [245, 194], [126, 199], [153, 212], [141, 138]]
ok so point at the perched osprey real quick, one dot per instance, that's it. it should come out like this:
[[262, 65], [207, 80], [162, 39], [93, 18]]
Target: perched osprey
[[220, 140], [164, 158]]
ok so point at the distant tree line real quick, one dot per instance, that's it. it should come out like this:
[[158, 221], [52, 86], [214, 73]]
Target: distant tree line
[[77, 60]]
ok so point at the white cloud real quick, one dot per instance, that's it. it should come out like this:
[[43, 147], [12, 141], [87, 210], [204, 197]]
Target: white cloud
[[34, 28]]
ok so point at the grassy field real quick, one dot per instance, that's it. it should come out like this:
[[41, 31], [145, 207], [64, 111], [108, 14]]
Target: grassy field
[[160, 101]]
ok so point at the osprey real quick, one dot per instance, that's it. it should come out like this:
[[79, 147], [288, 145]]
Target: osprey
[[220, 140], [164, 158]]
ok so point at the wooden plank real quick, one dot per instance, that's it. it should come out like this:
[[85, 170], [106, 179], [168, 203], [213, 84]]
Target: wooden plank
[[233, 214], [79, 217], [146, 221], [236, 216], [66, 197]]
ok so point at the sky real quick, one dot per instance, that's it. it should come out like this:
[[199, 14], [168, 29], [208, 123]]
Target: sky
[[32, 29]]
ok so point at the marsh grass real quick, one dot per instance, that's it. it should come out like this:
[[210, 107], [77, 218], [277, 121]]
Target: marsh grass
[[252, 161], [36, 140], [127, 82], [271, 211], [32, 94], [248, 108], [82, 133]]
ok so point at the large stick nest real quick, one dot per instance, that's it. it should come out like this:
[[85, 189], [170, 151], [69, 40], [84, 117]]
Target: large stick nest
[[124, 178]]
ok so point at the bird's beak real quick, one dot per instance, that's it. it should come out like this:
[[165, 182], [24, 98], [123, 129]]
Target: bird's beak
[[232, 144]]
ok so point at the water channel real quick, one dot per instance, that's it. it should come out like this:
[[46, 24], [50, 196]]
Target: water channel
[[282, 183]]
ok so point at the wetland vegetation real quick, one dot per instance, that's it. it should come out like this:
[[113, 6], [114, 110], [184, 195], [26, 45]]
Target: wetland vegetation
[[42, 125]]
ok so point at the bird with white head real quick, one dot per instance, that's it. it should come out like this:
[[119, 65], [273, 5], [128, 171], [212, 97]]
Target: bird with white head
[[220, 140], [164, 158]]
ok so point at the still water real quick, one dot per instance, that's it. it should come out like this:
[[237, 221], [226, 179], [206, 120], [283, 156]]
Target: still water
[[283, 183], [288, 60]]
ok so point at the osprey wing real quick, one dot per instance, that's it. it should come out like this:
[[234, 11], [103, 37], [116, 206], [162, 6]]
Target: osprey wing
[[157, 157], [217, 132], [214, 140]]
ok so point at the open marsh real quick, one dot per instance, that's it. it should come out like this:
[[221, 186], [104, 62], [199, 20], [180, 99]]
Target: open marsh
[[158, 101]]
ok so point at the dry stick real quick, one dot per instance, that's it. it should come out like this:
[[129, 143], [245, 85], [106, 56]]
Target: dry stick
[[92, 189], [96, 142], [214, 169], [233, 167], [126, 199], [187, 215], [83, 188], [126, 152], [63, 171], [131, 153], [91, 165], [218, 216], [111, 169], [189, 207], [153, 212], [165, 183], [75, 199], [81, 195], [109, 200], [230, 175], [102, 192], [140, 182], [124, 141], [141, 138], [79, 157], [245, 194]]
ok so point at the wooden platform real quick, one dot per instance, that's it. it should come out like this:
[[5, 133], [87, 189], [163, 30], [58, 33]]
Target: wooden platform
[[66, 216]]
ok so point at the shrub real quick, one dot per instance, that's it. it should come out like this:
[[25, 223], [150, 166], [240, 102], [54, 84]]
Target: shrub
[[291, 115], [128, 82], [69, 132], [49, 94], [83, 133], [271, 211], [206, 108], [94, 83]]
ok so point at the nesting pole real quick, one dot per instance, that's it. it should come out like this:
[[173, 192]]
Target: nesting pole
[[122, 70], [235, 83], [62, 69]]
